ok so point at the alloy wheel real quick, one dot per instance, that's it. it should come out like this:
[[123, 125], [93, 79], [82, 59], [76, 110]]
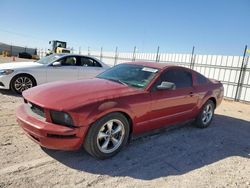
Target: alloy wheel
[[207, 114], [22, 83], [110, 136]]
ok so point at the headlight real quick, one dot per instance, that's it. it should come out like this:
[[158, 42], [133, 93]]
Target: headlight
[[61, 118], [6, 71]]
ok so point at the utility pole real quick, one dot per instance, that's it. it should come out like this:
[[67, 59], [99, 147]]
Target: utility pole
[[241, 76], [134, 54], [157, 54], [101, 55], [192, 59], [116, 55]]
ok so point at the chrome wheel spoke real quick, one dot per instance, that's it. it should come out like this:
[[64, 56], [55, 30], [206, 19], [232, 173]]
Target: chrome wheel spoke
[[18, 82], [204, 118], [117, 130], [110, 125], [18, 87], [20, 79], [28, 82], [102, 135], [106, 143], [114, 141]]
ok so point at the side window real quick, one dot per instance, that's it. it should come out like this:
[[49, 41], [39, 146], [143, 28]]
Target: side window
[[201, 79], [87, 62], [181, 78], [68, 61]]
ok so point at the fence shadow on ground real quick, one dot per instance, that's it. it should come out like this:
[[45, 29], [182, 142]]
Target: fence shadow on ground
[[173, 152]]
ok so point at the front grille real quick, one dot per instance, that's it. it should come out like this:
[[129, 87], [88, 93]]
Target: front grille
[[37, 109]]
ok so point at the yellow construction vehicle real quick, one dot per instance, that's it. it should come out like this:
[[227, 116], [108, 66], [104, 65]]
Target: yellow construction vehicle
[[58, 47]]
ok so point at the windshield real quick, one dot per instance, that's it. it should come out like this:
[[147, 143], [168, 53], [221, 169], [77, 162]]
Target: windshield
[[132, 75], [49, 59]]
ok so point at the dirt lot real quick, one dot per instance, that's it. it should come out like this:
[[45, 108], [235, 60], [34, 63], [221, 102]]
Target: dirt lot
[[186, 157], [10, 59]]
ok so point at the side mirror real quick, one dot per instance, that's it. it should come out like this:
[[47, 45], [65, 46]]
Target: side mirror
[[56, 64], [166, 85]]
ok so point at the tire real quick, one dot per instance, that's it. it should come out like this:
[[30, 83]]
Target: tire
[[206, 115], [22, 82], [107, 136]]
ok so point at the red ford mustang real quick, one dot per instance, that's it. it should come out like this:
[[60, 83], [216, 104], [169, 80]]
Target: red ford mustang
[[102, 113]]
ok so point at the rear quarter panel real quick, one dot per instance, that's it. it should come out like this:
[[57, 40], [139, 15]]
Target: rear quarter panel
[[208, 91]]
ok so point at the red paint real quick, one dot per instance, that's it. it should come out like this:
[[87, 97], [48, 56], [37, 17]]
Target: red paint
[[88, 100]]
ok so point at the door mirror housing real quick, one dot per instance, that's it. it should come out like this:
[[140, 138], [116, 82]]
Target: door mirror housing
[[166, 86], [56, 64]]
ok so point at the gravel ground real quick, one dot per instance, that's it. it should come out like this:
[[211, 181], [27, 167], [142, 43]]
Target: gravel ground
[[185, 157], [10, 59]]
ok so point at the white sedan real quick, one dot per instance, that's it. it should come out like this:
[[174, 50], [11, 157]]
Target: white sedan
[[23, 75]]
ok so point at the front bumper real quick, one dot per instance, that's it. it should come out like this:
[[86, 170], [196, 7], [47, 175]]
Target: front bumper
[[47, 134], [5, 81]]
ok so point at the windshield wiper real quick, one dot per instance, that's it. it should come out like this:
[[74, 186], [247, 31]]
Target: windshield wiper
[[118, 81]]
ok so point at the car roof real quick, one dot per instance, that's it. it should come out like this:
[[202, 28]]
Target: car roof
[[70, 54], [156, 65]]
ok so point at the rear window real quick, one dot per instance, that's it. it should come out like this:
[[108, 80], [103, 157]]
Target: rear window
[[87, 62], [201, 79]]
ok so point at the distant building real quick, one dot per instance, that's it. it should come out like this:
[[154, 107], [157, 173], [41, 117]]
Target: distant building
[[15, 50]]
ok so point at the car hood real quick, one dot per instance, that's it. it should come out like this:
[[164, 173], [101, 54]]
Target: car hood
[[68, 95], [19, 65]]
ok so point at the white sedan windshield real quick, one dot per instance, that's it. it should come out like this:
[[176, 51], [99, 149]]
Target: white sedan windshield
[[49, 59]]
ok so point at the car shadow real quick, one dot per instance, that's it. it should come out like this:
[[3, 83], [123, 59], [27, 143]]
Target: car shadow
[[9, 93], [172, 152]]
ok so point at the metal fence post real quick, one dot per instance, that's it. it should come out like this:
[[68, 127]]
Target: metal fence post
[[157, 54], [134, 54], [101, 55], [241, 76], [11, 50], [88, 51], [192, 59], [116, 55], [80, 50], [44, 52]]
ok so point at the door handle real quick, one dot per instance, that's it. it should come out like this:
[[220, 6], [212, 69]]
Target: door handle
[[191, 94]]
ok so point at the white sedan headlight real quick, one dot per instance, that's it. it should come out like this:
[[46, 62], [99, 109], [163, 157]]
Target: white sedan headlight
[[6, 71]]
